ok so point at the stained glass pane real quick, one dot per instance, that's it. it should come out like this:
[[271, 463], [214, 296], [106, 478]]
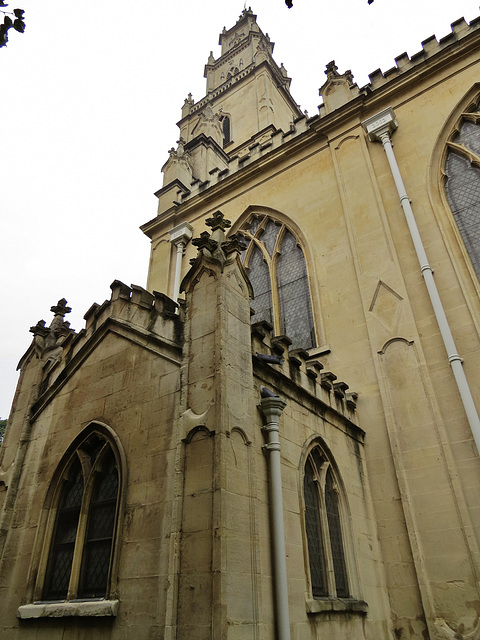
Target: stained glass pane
[[260, 278], [99, 538], [269, 236], [294, 294], [336, 542], [469, 135], [253, 225], [463, 193], [61, 553], [314, 534]]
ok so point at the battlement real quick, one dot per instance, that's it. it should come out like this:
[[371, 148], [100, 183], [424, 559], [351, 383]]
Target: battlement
[[259, 146], [150, 319], [295, 373], [460, 29]]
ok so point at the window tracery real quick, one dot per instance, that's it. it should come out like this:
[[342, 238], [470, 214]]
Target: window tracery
[[82, 539], [278, 273], [323, 528], [462, 168]]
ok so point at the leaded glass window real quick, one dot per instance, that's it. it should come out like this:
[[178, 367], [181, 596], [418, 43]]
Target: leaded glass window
[[226, 130], [278, 273], [82, 543], [462, 185], [323, 529]]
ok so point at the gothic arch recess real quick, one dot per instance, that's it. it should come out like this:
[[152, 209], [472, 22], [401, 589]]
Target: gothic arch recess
[[331, 538], [281, 227], [437, 181], [106, 450]]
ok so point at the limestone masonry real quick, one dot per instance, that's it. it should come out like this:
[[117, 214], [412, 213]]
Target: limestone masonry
[[278, 437]]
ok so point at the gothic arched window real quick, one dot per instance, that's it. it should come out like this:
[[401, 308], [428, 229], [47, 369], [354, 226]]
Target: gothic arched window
[[278, 273], [80, 553], [323, 528], [226, 130], [462, 186]]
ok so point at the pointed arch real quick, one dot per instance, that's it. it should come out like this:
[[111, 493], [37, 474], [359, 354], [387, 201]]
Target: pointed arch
[[81, 520], [278, 263], [454, 182], [226, 123], [327, 538]]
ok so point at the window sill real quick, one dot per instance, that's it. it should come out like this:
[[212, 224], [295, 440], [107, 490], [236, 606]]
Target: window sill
[[95, 609], [337, 605]]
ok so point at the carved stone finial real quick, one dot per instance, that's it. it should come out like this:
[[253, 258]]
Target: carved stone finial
[[181, 147], [283, 70], [218, 221], [205, 242], [60, 309], [331, 70], [236, 243], [211, 59], [40, 333], [39, 329]]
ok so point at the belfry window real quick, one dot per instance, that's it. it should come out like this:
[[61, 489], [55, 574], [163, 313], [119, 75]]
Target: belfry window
[[81, 546], [462, 185], [278, 273], [323, 528]]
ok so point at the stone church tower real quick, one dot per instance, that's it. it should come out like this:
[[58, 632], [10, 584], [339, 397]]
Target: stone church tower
[[279, 437]]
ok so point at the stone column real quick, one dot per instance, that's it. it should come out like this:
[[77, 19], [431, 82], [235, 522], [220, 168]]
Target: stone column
[[179, 236]]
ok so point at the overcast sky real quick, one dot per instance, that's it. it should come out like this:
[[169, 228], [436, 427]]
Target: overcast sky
[[90, 95]]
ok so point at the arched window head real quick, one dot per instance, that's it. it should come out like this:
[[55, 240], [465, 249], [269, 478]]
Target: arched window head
[[81, 547], [462, 168], [278, 273], [323, 528], [226, 130]]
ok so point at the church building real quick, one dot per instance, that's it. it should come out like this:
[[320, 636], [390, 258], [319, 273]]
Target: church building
[[278, 438]]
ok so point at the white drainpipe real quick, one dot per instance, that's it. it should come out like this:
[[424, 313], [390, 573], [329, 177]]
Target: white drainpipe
[[272, 408], [179, 236], [379, 128]]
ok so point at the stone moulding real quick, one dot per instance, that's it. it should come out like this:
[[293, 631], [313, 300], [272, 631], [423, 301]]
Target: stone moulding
[[95, 609], [328, 605]]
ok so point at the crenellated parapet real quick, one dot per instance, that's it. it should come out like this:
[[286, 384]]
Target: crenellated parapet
[[460, 30], [147, 319], [294, 373]]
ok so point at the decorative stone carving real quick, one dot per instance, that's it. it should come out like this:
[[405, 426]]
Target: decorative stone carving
[[209, 124], [338, 89], [178, 165]]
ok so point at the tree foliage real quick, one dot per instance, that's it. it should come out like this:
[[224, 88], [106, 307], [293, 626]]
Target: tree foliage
[[16, 23], [3, 426]]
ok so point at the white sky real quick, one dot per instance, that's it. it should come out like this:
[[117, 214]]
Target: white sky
[[90, 95]]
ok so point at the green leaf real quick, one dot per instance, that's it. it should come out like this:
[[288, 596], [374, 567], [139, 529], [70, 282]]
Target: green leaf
[[7, 21], [3, 35], [19, 25], [19, 13]]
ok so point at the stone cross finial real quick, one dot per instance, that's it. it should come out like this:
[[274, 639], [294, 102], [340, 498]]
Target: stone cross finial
[[218, 221], [60, 309], [234, 243], [331, 69], [205, 242], [39, 329]]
